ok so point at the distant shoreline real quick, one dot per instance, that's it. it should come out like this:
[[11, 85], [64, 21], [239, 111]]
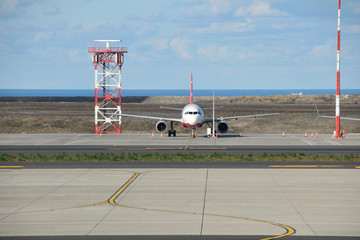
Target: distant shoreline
[[270, 99], [66, 99], [171, 92]]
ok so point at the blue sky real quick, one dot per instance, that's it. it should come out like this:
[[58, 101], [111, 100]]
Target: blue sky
[[226, 44]]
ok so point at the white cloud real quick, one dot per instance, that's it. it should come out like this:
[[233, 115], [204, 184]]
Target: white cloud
[[74, 55], [355, 6], [240, 56], [158, 16], [144, 29], [259, 8], [323, 50], [8, 7], [321, 69], [180, 47], [225, 27], [43, 36], [355, 28], [94, 26], [213, 52], [211, 7], [220, 7], [159, 44], [280, 26], [51, 10], [4, 48], [228, 73]]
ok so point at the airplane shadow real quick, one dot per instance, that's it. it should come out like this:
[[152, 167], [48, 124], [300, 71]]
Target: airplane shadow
[[226, 136]]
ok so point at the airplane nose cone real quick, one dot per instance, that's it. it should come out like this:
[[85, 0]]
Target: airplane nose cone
[[194, 120]]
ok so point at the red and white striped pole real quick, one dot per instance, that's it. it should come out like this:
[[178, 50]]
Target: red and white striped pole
[[337, 133], [191, 90]]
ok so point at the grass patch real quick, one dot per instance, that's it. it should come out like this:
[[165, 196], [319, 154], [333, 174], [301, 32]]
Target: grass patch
[[176, 157]]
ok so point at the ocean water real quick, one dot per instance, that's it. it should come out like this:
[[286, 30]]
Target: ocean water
[[168, 92]]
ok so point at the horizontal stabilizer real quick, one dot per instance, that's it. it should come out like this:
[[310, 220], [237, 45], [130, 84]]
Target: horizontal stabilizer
[[171, 108], [211, 108]]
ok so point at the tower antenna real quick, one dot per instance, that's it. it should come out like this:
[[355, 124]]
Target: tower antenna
[[337, 133], [108, 62]]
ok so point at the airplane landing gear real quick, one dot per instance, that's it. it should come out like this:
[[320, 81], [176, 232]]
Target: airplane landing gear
[[172, 131], [193, 133]]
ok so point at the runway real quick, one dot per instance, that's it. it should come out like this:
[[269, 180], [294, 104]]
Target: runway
[[145, 143], [175, 203], [183, 165], [177, 200], [208, 149]]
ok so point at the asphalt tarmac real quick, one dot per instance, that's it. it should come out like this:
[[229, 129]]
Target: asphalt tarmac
[[142, 143], [179, 203], [179, 200], [174, 237], [184, 165], [207, 149]]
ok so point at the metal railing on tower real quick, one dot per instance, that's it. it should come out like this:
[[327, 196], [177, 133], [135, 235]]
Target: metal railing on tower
[[108, 62]]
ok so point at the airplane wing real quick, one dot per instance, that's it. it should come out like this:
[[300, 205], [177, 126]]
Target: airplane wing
[[249, 116], [323, 116], [243, 116], [346, 118], [151, 117]]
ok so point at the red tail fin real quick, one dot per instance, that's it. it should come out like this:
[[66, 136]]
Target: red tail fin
[[191, 91]]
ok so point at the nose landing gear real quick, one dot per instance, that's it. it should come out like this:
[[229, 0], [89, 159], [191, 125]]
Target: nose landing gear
[[193, 133]]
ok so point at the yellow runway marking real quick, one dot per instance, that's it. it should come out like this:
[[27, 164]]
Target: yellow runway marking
[[169, 148], [188, 144], [122, 149], [143, 149], [204, 148], [111, 200], [11, 166], [58, 209], [288, 230], [306, 166]]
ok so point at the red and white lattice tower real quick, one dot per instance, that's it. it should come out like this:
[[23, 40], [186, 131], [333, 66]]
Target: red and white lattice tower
[[337, 132], [107, 61]]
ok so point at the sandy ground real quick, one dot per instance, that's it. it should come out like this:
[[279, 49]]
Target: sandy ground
[[298, 114]]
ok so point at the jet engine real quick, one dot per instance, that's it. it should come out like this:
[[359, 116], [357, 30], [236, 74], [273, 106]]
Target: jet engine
[[223, 127], [161, 126]]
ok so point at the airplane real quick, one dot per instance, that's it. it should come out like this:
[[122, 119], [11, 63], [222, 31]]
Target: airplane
[[192, 116]]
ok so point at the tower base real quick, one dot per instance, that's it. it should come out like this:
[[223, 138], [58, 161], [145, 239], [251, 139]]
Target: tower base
[[338, 135]]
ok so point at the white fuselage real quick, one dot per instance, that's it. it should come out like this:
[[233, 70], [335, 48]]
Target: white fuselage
[[192, 116]]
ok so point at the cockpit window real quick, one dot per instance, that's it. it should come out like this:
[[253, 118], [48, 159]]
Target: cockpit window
[[194, 113]]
